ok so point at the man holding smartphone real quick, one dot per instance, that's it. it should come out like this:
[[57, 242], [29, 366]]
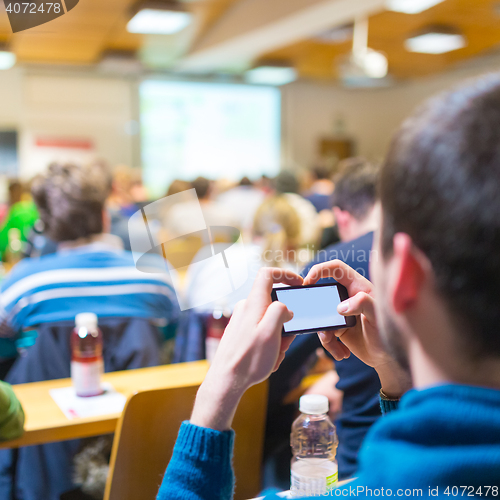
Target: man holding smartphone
[[430, 320]]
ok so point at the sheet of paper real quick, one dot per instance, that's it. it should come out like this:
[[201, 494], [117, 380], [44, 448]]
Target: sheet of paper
[[75, 407]]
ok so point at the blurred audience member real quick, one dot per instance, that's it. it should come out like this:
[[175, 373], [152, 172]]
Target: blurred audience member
[[214, 213], [18, 223], [287, 184], [356, 212], [138, 192], [277, 230], [89, 273], [265, 184], [354, 197], [120, 197], [16, 191], [177, 186], [242, 201], [126, 196], [71, 200], [320, 194]]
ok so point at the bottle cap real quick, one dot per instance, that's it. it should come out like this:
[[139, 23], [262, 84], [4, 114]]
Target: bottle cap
[[313, 404], [87, 320]]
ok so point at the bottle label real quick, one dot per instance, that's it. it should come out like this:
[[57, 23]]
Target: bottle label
[[305, 486], [86, 377]]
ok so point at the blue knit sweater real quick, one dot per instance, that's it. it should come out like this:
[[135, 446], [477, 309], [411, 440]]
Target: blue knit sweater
[[442, 437]]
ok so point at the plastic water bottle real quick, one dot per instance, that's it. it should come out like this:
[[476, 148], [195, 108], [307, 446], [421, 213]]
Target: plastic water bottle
[[86, 356], [314, 470]]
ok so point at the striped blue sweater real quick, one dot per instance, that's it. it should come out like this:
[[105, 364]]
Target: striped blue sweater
[[93, 278], [443, 440]]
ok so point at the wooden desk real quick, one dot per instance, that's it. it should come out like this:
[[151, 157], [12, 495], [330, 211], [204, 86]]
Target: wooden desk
[[45, 422]]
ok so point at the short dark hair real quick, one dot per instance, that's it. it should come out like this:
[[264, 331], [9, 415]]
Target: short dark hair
[[440, 185], [201, 186], [70, 199], [356, 187], [321, 172], [286, 182], [245, 181]]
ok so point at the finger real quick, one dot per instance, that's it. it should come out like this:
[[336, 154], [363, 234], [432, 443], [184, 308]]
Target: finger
[[272, 322], [330, 342], [361, 303], [260, 295], [281, 357], [342, 273], [285, 342]]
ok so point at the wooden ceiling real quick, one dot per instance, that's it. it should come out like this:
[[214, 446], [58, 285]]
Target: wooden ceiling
[[94, 26], [91, 28], [478, 20]]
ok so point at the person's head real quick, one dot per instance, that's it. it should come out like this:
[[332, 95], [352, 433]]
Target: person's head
[[437, 277], [321, 173], [15, 192], [177, 186], [121, 184], [70, 199], [202, 187], [286, 182], [277, 225], [245, 181], [354, 198]]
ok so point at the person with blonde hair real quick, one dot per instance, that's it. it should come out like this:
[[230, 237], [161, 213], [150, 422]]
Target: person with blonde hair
[[277, 227]]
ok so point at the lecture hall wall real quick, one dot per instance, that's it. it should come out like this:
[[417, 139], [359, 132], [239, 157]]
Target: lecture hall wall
[[102, 110]]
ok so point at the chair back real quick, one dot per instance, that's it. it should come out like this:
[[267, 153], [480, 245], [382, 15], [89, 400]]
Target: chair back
[[146, 434]]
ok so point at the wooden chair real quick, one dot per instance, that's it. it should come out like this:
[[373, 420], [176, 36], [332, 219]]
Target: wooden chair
[[147, 431]]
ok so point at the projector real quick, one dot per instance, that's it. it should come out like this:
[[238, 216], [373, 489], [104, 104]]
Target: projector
[[368, 68]]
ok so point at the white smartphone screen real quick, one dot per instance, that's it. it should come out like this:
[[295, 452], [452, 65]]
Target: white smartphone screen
[[313, 308]]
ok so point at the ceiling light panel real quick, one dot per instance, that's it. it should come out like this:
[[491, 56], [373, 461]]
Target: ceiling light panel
[[435, 43], [159, 21], [411, 6]]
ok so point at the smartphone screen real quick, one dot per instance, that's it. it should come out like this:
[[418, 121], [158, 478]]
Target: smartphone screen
[[314, 308]]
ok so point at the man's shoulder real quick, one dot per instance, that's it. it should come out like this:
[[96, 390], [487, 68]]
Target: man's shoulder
[[362, 243], [355, 253]]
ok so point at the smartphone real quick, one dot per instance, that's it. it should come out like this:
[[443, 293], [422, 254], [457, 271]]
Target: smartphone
[[314, 308]]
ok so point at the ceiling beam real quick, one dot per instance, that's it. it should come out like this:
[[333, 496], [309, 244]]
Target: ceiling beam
[[251, 28]]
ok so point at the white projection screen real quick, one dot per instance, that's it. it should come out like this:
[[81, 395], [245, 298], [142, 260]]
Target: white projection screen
[[210, 129]]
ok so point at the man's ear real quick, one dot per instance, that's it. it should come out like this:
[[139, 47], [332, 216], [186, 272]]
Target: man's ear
[[409, 273], [342, 217]]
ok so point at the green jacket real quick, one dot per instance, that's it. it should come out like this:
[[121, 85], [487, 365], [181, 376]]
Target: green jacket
[[11, 413], [22, 216]]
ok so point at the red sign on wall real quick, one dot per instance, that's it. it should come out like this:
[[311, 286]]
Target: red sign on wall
[[65, 143]]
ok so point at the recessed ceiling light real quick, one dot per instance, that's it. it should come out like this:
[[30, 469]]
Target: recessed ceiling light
[[7, 59], [271, 75], [158, 18], [411, 6], [435, 43]]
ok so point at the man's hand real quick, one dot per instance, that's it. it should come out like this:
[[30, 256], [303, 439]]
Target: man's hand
[[363, 340], [250, 350]]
